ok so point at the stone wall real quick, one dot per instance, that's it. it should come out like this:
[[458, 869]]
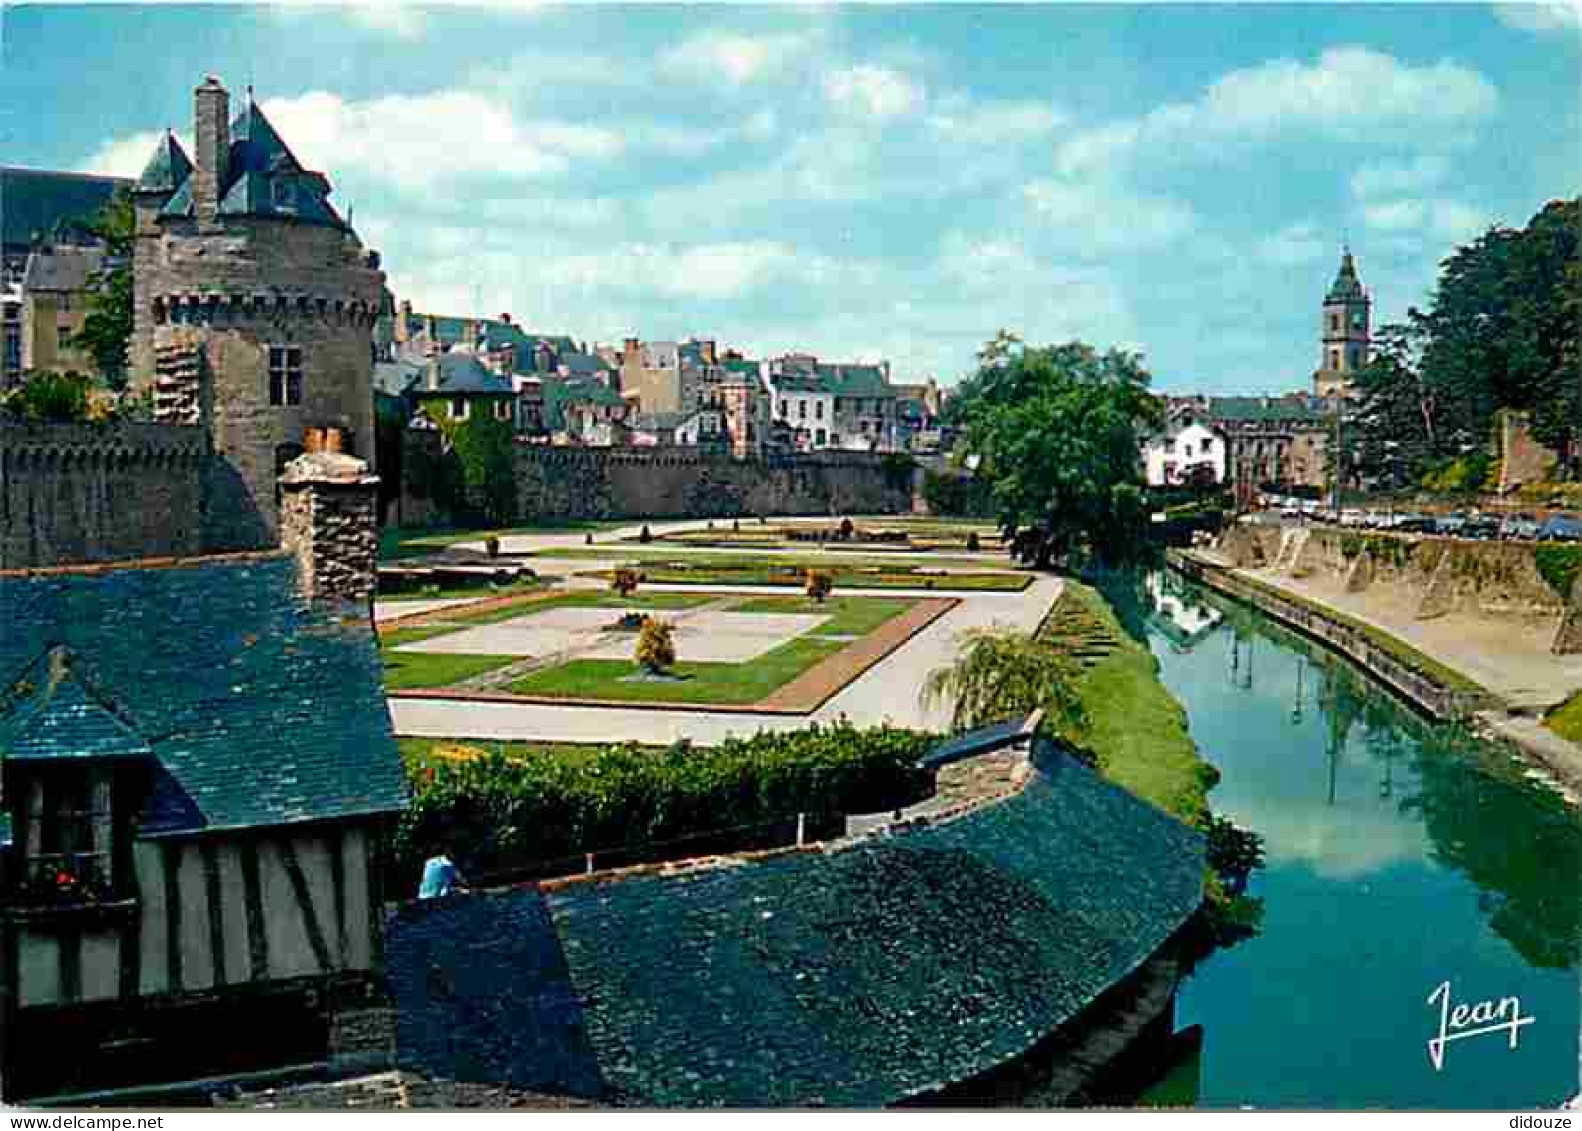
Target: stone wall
[[571, 483], [74, 493], [557, 484], [1522, 458]]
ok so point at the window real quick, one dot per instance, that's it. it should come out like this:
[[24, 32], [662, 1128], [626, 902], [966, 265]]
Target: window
[[1334, 359], [1334, 322], [818, 437], [67, 822], [502, 410], [458, 408], [285, 375], [818, 410], [801, 410]]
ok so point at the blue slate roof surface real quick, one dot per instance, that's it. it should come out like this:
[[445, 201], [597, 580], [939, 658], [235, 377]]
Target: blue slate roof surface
[[52, 711], [38, 201], [858, 977], [259, 709], [168, 168], [464, 373]]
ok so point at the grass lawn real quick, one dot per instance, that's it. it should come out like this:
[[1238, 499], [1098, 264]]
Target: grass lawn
[[396, 542], [1135, 725], [849, 616], [706, 683], [434, 669], [837, 560], [764, 570], [1566, 719], [481, 588]]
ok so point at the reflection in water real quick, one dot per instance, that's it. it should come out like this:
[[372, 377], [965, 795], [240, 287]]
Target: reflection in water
[[1401, 854]]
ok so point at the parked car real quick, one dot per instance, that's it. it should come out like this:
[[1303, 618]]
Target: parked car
[[1481, 526], [1450, 525], [1412, 523], [1351, 517], [1519, 526], [1561, 528]]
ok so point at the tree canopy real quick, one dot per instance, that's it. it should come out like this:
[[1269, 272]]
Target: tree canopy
[[1501, 332], [107, 329], [1056, 431]]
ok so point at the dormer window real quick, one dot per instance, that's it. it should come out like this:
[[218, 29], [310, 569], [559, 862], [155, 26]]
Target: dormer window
[[74, 767], [285, 376]]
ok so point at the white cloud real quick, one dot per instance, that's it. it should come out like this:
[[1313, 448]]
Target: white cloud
[[126, 156], [875, 91], [404, 21], [735, 58], [1542, 16], [1438, 219], [1295, 245], [1347, 93], [1388, 178], [1096, 217], [963, 121], [417, 141]]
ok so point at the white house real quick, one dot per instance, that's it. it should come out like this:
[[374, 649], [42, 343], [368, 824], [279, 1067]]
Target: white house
[[1170, 457]]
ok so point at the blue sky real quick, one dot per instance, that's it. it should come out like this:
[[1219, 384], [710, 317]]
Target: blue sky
[[869, 181]]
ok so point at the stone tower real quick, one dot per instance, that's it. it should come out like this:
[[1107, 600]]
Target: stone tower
[[1345, 331], [254, 310]]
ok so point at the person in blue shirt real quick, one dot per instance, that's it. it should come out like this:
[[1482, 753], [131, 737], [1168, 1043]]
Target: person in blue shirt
[[441, 877]]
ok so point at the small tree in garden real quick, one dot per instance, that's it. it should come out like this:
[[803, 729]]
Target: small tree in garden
[[491, 545], [973, 545], [645, 535], [656, 645], [626, 581], [819, 584], [846, 529]]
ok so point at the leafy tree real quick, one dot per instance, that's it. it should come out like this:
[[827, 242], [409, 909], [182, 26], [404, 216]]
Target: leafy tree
[[46, 397], [656, 645], [107, 329], [485, 447], [819, 584], [1057, 430], [1000, 674]]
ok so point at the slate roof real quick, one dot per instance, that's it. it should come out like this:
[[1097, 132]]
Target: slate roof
[[398, 377], [53, 711], [63, 268], [835, 379], [259, 708], [1346, 287], [263, 177], [37, 201], [1263, 409], [854, 977], [450, 329], [168, 168], [464, 373], [562, 393]]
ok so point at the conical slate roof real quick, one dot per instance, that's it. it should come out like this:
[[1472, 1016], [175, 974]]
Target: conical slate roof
[[1346, 287], [167, 170]]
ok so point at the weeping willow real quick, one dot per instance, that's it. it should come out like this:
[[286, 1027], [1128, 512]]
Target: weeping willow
[[1002, 674]]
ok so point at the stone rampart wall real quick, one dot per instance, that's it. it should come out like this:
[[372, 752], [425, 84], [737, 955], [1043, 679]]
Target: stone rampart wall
[[73, 493]]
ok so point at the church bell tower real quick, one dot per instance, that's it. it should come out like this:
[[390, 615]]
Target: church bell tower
[[1345, 331]]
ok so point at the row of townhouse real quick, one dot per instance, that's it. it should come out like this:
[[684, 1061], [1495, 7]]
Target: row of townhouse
[[1244, 442], [645, 393]]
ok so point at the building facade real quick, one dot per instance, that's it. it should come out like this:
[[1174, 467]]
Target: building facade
[[1187, 451], [255, 304]]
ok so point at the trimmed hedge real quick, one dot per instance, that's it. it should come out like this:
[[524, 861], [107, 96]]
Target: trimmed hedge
[[1559, 566], [498, 812]]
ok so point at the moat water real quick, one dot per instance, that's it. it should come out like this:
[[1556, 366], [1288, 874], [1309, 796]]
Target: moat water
[[1401, 854]]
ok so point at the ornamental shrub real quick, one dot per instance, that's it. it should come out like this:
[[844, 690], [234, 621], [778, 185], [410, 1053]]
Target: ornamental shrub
[[656, 645], [819, 584], [500, 811], [625, 581]]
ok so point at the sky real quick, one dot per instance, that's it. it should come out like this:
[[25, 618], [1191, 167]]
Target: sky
[[869, 181]]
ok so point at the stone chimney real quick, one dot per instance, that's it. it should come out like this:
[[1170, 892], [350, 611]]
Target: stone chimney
[[471, 333], [707, 349], [505, 316], [329, 520], [403, 322], [629, 350], [212, 137]]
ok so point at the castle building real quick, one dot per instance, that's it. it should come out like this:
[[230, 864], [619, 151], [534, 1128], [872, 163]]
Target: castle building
[[255, 304], [1346, 329]]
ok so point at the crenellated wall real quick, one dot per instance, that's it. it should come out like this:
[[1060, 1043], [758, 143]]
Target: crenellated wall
[[96, 493]]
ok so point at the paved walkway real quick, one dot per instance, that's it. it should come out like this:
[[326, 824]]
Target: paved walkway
[[887, 692], [1508, 655]]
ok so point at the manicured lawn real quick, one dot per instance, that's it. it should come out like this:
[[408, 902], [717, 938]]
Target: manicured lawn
[[1135, 725], [849, 616], [705, 683], [829, 559], [1566, 719], [434, 669], [481, 588], [710, 574], [397, 542]]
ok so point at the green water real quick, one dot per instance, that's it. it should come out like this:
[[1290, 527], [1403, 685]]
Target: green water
[[1401, 854]]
